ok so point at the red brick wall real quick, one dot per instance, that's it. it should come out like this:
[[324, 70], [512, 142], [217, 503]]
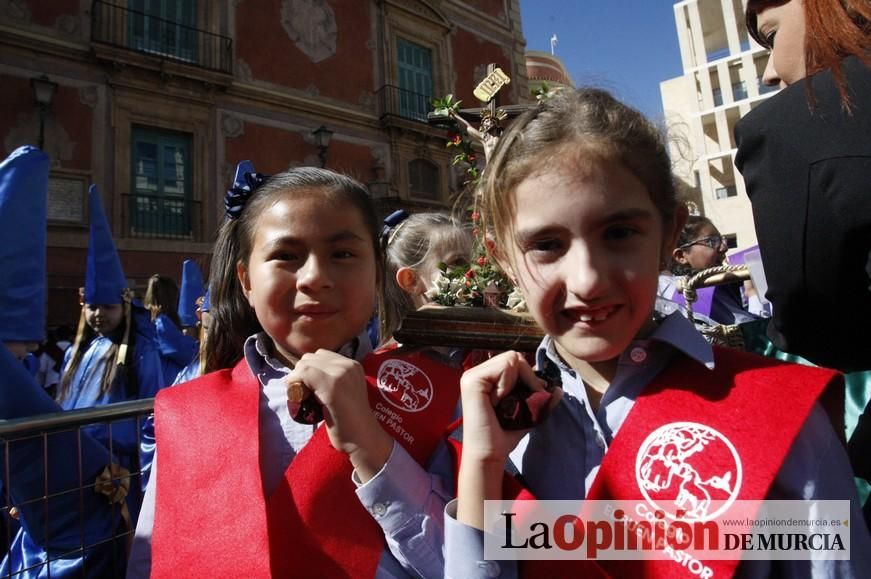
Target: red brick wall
[[350, 159], [343, 76], [77, 120], [46, 13], [270, 149], [16, 102], [273, 150]]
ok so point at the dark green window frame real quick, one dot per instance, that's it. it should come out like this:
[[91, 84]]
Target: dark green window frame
[[161, 191], [414, 67], [164, 27]]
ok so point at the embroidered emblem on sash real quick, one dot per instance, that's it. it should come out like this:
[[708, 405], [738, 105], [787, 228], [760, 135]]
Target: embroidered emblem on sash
[[404, 385], [689, 471]]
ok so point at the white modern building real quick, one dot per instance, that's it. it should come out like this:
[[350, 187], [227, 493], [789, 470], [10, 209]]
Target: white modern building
[[721, 82]]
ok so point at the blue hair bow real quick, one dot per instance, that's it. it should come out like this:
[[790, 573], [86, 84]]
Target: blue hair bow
[[390, 222], [247, 181]]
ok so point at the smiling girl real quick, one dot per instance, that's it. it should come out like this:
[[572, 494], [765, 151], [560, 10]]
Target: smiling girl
[[241, 487], [581, 203]]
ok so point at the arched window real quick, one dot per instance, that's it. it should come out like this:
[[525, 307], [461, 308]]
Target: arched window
[[424, 180]]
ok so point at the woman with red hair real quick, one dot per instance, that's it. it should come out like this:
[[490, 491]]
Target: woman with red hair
[[805, 155]]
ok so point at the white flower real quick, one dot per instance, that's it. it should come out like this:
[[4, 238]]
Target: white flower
[[516, 301]]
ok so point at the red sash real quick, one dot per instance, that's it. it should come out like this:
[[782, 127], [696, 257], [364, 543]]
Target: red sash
[[738, 403], [212, 518]]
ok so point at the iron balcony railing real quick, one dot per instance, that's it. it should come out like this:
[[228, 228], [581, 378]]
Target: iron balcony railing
[[162, 217], [138, 31], [398, 102]]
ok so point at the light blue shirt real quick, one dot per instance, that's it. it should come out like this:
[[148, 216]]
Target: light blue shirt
[[404, 499], [560, 458], [84, 390]]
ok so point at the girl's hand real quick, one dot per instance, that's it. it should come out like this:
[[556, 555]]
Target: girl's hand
[[339, 383], [485, 444], [482, 387]]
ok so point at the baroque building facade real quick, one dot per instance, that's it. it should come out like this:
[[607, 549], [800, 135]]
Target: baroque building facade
[[155, 101]]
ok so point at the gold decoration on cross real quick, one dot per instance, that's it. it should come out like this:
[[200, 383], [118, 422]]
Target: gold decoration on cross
[[492, 83]]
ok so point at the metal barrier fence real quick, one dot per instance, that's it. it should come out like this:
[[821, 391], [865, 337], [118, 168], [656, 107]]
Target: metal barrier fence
[[64, 502]]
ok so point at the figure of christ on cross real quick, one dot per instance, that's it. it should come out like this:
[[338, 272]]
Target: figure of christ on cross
[[489, 130]]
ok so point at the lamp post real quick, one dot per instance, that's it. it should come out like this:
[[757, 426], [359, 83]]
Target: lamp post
[[322, 137], [43, 92]]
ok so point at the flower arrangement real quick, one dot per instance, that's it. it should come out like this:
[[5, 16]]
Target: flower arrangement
[[481, 283]]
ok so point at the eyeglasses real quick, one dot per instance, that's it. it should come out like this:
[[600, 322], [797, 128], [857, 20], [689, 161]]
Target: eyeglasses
[[712, 241]]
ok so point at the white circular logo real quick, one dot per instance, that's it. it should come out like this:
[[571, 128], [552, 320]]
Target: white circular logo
[[404, 385], [688, 471]]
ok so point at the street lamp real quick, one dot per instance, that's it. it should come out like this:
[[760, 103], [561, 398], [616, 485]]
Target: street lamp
[[43, 92], [322, 137]]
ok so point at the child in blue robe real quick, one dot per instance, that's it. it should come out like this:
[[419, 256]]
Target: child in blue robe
[[114, 357], [69, 534], [175, 348]]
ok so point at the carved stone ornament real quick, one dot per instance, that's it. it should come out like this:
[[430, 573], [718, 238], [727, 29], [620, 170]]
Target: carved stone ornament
[[243, 71], [67, 25], [311, 25], [232, 126], [15, 11], [367, 100], [89, 96], [379, 155]]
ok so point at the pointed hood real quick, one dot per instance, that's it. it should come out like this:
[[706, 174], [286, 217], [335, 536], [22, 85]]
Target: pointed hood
[[104, 280], [191, 290], [23, 211]]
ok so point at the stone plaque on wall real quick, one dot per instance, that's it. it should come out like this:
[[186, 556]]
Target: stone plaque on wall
[[66, 199], [311, 25]]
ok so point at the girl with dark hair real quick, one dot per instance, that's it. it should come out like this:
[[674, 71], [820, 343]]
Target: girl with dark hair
[[701, 246], [176, 350], [290, 424]]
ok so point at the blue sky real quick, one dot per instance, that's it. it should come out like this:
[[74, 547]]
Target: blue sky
[[625, 46]]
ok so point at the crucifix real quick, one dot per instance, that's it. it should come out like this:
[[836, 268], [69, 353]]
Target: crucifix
[[489, 115]]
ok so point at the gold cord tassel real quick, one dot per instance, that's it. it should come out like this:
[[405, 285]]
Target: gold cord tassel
[[202, 369], [80, 330], [121, 360]]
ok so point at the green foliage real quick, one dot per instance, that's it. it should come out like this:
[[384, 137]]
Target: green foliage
[[482, 283], [543, 92], [445, 105]]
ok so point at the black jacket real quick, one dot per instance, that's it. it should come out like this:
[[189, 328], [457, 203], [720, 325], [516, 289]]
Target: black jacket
[[808, 175]]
